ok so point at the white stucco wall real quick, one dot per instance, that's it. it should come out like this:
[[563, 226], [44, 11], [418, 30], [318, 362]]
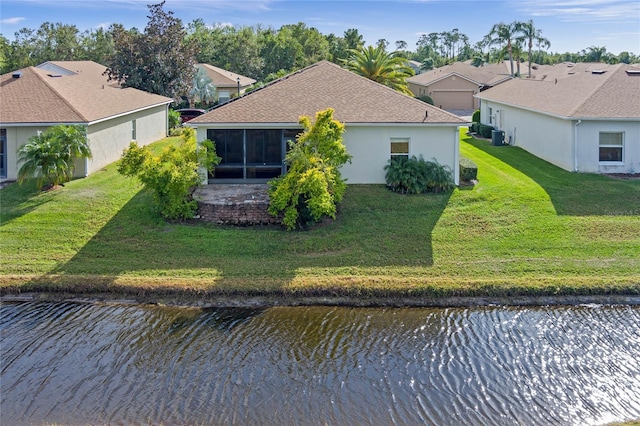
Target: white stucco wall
[[109, 138], [371, 148], [589, 141], [544, 136]]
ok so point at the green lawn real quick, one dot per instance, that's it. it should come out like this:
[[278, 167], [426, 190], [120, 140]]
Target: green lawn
[[527, 228]]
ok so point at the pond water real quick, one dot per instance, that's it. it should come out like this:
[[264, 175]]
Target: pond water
[[75, 363]]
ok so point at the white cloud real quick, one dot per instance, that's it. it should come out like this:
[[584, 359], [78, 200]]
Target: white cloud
[[12, 21], [614, 11]]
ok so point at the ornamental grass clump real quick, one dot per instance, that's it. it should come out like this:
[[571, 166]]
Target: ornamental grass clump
[[313, 185], [415, 175]]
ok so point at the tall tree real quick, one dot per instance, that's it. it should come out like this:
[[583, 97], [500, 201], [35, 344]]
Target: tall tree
[[157, 61], [503, 35], [530, 34], [96, 45], [376, 64]]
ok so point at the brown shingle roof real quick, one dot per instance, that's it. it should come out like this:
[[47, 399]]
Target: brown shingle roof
[[612, 94], [223, 78], [355, 99], [486, 75], [36, 97]]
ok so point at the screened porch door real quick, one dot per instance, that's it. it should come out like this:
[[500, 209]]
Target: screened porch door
[[250, 154]]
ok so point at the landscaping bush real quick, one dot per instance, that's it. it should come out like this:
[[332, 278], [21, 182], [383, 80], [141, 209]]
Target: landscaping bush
[[174, 120], [426, 98], [172, 175], [485, 130], [473, 128], [476, 116], [468, 170], [313, 185], [415, 175]]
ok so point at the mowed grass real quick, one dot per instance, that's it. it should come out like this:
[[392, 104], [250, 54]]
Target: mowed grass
[[527, 228]]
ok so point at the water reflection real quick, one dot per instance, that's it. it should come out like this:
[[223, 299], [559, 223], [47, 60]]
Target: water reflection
[[80, 363]]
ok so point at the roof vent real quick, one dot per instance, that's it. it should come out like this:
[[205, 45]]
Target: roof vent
[[54, 75], [598, 71], [633, 72], [17, 74]]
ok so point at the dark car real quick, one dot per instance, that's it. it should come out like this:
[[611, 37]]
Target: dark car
[[187, 114]]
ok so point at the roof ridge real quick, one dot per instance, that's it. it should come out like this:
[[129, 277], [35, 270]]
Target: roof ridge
[[69, 104], [596, 88]]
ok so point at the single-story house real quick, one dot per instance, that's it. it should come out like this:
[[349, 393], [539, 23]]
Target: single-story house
[[33, 99], [452, 87], [227, 83], [588, 121], [251, 132]]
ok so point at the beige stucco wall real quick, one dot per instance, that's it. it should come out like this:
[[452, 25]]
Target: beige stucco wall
[[16, 137], [440, 90], [107, 139]]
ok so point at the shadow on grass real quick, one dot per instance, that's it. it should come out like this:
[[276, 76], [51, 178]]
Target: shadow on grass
[[375, 229], [572, 194], [17, 200]]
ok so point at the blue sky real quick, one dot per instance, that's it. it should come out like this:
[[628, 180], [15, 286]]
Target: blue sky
[[570, 25]]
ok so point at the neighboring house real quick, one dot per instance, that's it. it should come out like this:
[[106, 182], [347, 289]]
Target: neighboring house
[[87, 69], [33, 99], [251, 132], [416, 66], [588, 121], [226, 82], [453, 87]]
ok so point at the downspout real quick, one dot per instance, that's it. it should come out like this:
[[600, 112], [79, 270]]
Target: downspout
[[456, 157], [575, 145]]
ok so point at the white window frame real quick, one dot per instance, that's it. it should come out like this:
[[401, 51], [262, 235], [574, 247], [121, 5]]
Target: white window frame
[[490, 115], [616, 146], [134, 130], [392, 154], [224, 96]]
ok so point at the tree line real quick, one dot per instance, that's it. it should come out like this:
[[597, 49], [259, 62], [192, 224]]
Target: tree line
[[263, 53]]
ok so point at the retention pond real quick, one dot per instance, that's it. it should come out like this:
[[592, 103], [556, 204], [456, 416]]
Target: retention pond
[[80, 363]]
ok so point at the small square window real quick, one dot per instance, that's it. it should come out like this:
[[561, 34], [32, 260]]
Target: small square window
[[611, 147], [399, 148]]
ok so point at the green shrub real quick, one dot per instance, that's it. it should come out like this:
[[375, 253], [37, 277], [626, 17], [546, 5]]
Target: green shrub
[[468, 170], [313, 185], [426, 98], [174, 120], [171, 175], [473, 128], [476, 116], [484, 130], [415, 175]]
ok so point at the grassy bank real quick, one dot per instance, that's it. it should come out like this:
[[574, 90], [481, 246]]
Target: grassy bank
[[527, 228]]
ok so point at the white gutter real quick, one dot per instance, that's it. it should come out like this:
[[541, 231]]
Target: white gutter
[[575, 145]]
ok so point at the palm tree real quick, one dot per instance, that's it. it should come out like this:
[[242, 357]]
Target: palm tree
[[529, 34], [376, 64], [202, 89], [49, 155], [504, 34]]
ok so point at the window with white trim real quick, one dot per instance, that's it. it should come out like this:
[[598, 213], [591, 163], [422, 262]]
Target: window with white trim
[[133, 130], [399, 148], [611, 147], [490, 115]]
